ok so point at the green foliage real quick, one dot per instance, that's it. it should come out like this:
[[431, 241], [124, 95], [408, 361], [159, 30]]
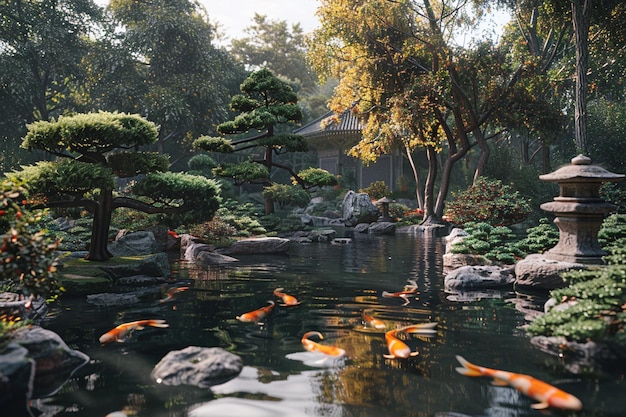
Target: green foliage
[[317, 177], [130, 164], [281, 224], [201, 164], [232, 220], [199, 194], [243, 172], [606, 129], [539, 238], [376, 190], [613, 228], [398, 211], [488, 201], [615, 194], [411, 216], [90, 133], [273, 44], [596, 295], [495, 243], [213, 144], [287, 195], [27, 255], [68, 177], [285, 143]]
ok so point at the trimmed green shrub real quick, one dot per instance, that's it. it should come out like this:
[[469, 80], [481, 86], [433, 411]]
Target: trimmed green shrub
[[488, 201]]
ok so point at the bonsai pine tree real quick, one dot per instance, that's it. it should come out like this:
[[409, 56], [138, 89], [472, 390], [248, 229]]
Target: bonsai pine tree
[[92, 150], [265, 104]]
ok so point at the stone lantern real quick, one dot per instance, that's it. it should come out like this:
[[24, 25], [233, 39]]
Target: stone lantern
[[384, 203], [579, 210]]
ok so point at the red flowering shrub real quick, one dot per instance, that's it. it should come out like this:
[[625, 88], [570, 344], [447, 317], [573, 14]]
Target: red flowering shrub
[[27, 255], [488, 201]]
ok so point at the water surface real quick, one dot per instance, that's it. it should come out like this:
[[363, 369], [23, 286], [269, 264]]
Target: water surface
[[335, 284]]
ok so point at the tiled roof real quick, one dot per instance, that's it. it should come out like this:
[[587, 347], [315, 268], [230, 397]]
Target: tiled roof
[[331, 124]]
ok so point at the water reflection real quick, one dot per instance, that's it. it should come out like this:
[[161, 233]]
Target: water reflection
[[334, 283]]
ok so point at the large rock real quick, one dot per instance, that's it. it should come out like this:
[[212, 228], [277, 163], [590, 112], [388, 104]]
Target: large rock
[[154, 265], [192, 249], [54, 361], [457, 260], [540, 273], [16, 374], [258, 246], [478, 277], [136, 243], [358, 208], [197, 366], [382, 228]]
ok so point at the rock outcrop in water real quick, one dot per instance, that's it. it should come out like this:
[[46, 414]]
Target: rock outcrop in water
[[197, 366], [36, 363]]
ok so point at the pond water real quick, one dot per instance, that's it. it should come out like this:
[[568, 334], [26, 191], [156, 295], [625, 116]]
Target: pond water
[[335, 283]]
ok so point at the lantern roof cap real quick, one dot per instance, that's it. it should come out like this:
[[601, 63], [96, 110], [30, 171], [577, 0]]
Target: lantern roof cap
[[581, 169]]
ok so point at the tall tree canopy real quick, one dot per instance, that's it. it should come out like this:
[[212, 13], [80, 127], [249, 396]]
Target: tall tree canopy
[[92, 149], [412, 85], [165, 66], [42, 44], [273, 45]]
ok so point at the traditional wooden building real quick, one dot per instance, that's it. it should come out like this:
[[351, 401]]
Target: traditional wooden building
[[331, 136]]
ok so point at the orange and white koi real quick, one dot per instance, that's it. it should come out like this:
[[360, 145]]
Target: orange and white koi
[[257, 315], [119, 333], [546, 394], [421, 328], [404, 294], [312, 346], [288, 300], [372, 321], [397, 348], [169, 296]]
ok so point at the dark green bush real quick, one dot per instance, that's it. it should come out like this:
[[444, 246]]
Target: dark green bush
[[488, 201], [287, 195]]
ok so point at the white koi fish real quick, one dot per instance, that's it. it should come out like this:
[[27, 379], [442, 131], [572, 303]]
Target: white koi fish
[[546, 394]]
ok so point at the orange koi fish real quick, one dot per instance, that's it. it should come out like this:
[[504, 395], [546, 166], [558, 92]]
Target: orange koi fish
[[546, 394], [312, 346], [372, 321], [421, 328], [257, 315], [397, 348], [404, 294], [288, 300], [119, 333], [169, 296]]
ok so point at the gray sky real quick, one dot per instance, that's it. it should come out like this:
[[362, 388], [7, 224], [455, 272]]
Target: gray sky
[[235, 15]]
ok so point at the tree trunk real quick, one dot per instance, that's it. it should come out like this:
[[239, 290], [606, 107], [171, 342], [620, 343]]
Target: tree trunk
[[418, 188], [268, 162], [485, 151], [580, 20], [98, 249], [431, 178]]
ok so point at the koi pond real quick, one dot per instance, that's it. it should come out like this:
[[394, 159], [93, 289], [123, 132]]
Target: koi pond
[[335, 284]]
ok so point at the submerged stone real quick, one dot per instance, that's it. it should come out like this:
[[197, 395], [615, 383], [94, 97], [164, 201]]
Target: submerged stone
[[197, 366]]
